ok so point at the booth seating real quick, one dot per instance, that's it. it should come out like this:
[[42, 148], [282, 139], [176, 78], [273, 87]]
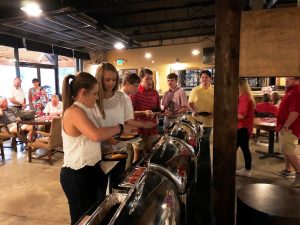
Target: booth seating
[[267, 204]]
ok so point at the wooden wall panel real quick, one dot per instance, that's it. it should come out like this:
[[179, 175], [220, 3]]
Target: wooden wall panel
[[270, 43]]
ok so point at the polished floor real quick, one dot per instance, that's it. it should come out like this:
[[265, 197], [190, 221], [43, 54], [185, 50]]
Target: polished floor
[[31, 193]]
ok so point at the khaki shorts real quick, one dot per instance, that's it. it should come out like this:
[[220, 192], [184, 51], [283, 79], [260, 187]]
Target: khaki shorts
[[146, 143], [288, 143]]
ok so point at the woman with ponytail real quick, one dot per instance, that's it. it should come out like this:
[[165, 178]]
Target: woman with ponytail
[[81, 176]]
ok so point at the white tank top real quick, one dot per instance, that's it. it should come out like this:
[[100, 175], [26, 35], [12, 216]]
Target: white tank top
[[81, 151]]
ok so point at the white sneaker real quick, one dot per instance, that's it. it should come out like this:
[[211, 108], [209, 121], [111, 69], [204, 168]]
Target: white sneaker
[[243, 173]]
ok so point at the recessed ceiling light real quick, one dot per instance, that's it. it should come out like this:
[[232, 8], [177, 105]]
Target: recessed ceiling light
[[32, 9], [119, 45], [195, 52], [148, 55]]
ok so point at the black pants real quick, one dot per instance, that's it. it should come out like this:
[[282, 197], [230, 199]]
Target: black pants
[[243, 142], [114, 175], [82, 188]]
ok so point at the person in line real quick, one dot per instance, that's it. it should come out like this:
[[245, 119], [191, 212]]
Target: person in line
[[275, 99], [55, 107], [146, 100], [174, 101], [81, 176], [37, 97], [288, 126], [17, 100], [246, 107], [9, 119], [201, 102], [130, 84], [117, 109], [266, 108]]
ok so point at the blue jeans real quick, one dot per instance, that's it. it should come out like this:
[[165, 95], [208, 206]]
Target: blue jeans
[[83, 188]]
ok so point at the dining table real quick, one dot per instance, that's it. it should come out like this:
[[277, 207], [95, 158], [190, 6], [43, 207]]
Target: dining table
[[268, 124], [36, 123]]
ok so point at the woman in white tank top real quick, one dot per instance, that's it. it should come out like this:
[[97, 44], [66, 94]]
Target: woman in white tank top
[[81, 177]]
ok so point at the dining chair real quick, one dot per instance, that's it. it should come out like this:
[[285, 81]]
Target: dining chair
[[47, 141], [6, 135]]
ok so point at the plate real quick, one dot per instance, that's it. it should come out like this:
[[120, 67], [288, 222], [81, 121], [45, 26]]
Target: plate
[[126, 137], [115, 156]]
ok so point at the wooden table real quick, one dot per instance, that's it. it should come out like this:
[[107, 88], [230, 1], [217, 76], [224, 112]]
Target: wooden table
[[45, 120], [267, 204], [267, 124]]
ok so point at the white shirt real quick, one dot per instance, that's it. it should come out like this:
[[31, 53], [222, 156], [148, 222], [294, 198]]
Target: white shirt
[[18, 95], [54, 109], [81, 151], [118, 109]]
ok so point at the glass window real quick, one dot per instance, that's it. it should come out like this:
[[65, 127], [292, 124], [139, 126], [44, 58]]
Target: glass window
[[66, 66], [48, 81], [27, 74], [33, 57], [7, 76]]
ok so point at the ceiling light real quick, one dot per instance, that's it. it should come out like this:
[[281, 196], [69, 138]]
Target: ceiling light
[[119, 45], [32, 9], [195, 52], [148, 55]]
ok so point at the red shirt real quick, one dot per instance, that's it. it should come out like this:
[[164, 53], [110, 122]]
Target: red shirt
[[290, 103], [266, 107], [246, 108], [146, 100]]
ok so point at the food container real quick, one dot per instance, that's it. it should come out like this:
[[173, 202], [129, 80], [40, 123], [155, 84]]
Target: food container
[[103, 213], [154, 200], [175, 159]]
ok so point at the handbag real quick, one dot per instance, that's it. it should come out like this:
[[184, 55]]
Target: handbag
[[26, 115]]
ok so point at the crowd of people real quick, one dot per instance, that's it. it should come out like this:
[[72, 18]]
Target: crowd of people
[[288, 124], [94, 109]]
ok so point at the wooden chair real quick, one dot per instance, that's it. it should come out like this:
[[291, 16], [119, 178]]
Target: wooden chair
[[4, 136], [48, 141]]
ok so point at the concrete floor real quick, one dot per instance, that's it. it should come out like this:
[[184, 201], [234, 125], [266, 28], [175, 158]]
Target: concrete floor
[[31, 193]]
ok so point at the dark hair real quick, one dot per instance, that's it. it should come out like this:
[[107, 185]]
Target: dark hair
[[207, 72], [99, 76], [35, 80], [131, 78], [266, 98], [145, 71], [276, 97], [71, 89], [172, 76]]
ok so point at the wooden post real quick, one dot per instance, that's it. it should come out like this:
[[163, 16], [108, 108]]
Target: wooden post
[[225, 109]]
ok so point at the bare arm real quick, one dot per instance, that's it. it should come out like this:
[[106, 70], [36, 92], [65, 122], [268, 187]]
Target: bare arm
[[240, 117], [76, 122], [30, 99], [193, 107], [13, 100], [1, 112], [147, 113], [291, 119], [141, 124]]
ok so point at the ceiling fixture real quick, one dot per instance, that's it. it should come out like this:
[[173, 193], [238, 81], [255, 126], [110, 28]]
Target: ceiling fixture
[[195, 52], [32, 9], [148, 55], [119, 45]]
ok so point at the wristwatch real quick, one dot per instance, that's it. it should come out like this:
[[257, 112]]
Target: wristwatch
[[121, 126]]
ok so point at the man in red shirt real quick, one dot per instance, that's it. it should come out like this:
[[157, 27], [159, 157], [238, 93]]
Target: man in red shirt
[[145, 101], [266, 108], [288, 125]]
